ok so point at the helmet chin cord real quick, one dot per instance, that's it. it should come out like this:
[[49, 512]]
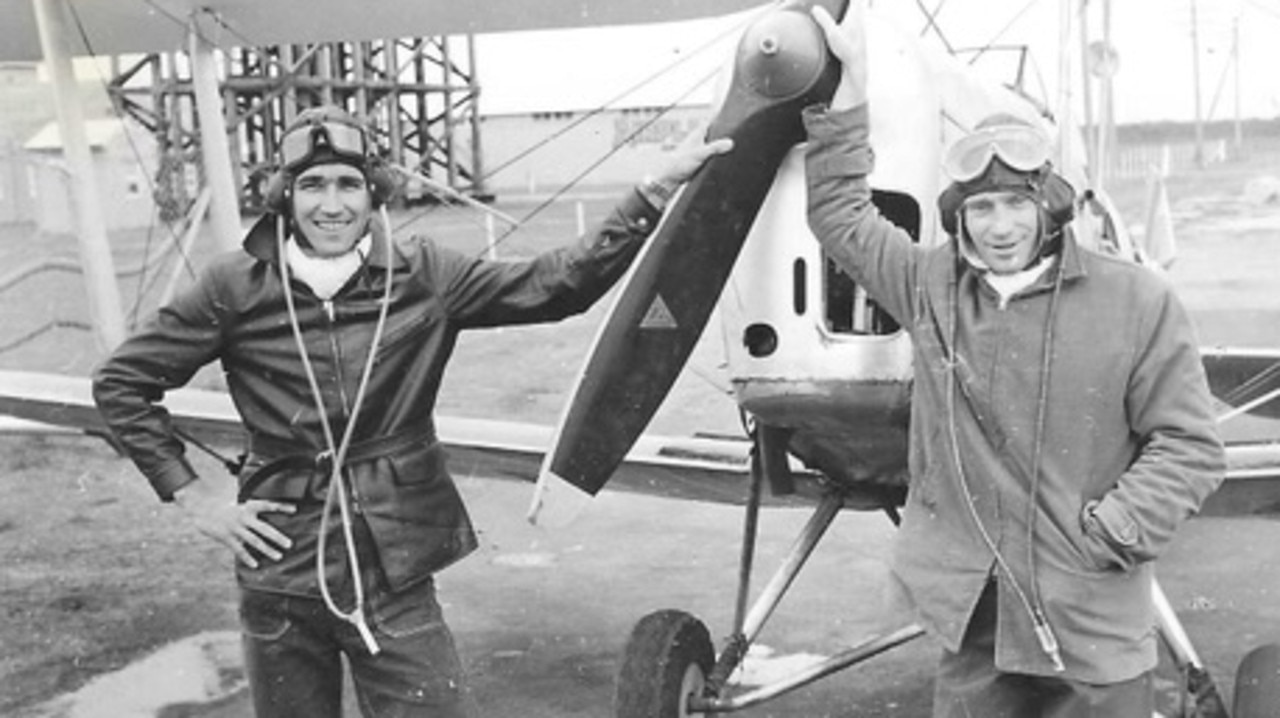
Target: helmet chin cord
[[337, 490], [1033, 605]]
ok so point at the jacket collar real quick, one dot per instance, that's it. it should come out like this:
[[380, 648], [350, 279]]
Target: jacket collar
[[1072, 261], [260, 243]]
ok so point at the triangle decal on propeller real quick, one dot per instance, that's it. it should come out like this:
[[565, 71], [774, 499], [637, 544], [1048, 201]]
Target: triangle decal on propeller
[[658, 316]]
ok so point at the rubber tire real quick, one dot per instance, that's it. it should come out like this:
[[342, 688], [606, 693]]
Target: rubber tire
[[1257, 693], [667, 657]]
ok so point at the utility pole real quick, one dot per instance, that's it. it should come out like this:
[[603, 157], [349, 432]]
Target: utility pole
[[1086, 84], [1235, 63], [1064, 112], [1107, 118], [1195, 71]]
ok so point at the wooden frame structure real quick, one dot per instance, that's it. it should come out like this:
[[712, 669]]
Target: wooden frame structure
[[420, 96]]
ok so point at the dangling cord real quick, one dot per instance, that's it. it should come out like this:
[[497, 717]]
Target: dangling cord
[[336, 491], [1044, 633]]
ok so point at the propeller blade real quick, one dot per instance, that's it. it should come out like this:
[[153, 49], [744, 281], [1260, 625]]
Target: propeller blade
[[781, 66]]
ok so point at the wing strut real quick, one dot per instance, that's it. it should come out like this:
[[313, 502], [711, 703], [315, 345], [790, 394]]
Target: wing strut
[[91, 225], [224, 209]]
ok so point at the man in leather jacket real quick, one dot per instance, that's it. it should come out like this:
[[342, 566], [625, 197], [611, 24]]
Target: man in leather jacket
[[346, 507]]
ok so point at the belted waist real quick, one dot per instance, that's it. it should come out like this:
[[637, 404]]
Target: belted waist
[[284, 457]]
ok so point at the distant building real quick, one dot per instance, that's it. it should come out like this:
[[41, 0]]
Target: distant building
[[120, 151], [33, 186], [540, 153], [17, 183], [24, 106]]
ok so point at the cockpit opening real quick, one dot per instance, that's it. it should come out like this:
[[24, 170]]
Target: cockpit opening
[[848, 310]]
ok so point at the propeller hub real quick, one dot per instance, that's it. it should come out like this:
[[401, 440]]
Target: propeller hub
[[781, 55]]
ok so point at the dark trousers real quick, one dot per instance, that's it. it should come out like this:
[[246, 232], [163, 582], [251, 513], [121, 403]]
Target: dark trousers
[[969, 685], [293, 655]]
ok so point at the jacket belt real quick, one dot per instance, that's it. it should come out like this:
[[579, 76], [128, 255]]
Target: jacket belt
[[284, 457]]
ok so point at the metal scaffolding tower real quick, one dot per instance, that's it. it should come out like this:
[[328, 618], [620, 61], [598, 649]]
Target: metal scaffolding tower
[[420, 96]]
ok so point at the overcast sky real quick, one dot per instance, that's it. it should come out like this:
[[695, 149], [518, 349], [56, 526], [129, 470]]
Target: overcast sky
[[577, 69]]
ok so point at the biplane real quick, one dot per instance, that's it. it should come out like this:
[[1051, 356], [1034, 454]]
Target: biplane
[[822, 374]]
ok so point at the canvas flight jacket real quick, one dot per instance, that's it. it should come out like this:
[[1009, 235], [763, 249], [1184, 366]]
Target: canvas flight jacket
[[411, 519], [1128, 429]]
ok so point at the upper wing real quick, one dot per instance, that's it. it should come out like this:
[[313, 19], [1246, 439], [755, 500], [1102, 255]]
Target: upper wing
[[130, 26], [697, 468]]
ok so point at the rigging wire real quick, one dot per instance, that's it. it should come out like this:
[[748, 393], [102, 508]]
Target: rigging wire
[[1257, 384], [573, 182], [656, 75], [671, 67], [996, 38], [599, 109], [576, 179], [136, 151], [931, 23]]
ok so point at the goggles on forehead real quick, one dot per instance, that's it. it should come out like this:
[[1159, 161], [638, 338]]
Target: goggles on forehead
[[1022, 148], [299, 144]]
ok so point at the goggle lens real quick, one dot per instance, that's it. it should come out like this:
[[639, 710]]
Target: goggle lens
[[1024, 149], [300, 143]]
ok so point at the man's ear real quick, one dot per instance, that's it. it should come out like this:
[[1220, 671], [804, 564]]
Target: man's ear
[[949, 203], [384, 184], [1059, 200], [276, 194]]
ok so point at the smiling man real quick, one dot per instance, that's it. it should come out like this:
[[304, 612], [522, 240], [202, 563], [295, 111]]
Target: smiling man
[[334, 337], [331, 208], [1061, 426]]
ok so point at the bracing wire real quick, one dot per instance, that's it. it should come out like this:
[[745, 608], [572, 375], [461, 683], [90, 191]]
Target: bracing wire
[[576, 179], [655, 76], [665, 70], [931, 23], [1256, 384], [82, 31], [577, 122], [999, 34]]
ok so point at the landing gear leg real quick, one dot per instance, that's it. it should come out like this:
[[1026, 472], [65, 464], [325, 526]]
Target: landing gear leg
[[1198, 687]]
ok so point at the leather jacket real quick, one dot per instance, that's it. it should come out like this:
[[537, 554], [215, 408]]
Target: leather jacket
[[401, 492]]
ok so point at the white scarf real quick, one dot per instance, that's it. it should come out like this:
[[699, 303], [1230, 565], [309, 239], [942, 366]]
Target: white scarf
[[1006, 285], [326, 275]]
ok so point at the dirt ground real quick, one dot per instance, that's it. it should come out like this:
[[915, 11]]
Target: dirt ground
[[97, 574]]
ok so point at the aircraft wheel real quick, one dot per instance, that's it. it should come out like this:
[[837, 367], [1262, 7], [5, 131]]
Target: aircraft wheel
[[1258, 683], [666, 660]]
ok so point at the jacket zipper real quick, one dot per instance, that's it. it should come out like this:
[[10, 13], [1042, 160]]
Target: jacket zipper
[[336, 350], [340, 377]]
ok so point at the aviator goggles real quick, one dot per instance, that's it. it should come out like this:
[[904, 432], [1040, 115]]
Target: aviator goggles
[[301, 143], [1022, 148]]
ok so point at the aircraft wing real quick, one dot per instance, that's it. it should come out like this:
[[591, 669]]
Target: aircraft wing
[[132, 26], [693, 468], [714, 469]]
